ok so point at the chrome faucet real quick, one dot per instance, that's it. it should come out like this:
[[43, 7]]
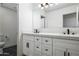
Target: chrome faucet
[[68, 31]]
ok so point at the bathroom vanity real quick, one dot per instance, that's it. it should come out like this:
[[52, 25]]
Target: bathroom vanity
[[48, 44]]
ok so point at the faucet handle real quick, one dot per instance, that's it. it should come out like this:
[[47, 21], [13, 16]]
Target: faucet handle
[[64, 32], [6, 36], [73, 33], [68, 31]]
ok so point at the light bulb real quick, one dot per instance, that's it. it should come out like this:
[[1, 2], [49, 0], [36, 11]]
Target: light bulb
[[42, 7], [46, 6], [39, 5]]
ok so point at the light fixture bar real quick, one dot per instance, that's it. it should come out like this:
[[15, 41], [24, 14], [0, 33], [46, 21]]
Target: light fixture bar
[[46, 5]]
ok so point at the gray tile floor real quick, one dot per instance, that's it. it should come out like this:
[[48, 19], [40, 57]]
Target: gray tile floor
[[10, 51]]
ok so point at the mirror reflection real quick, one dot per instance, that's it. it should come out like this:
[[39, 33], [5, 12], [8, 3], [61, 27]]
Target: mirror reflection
[[63, 15]]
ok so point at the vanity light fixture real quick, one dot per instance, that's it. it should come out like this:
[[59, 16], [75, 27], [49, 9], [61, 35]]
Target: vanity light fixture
[[46, 5]]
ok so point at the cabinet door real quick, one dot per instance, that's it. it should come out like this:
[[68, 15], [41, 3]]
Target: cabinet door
[[59, 47], [28, 47], [62, 45], [59, 51], [72, 52]]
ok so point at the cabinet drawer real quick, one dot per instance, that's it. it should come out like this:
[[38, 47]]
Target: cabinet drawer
[[26, 37], [37, 47], [47, 49], [37, 39], [47, 40]]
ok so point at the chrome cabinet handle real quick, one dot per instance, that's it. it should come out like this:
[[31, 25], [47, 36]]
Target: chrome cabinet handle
[[68, 54], [64, 53], [27, 44], [46, 49], [46, 40], [37, 39], [37, 47], [6, 36]]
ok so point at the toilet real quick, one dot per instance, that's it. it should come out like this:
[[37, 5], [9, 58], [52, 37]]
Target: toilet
[[2, 43], [1, 47]]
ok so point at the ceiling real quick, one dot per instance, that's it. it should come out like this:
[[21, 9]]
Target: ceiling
[[12, 6], [59, 5]]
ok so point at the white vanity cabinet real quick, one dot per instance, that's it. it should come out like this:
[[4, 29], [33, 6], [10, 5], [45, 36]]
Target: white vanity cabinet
[[35, 45], [65, 47]]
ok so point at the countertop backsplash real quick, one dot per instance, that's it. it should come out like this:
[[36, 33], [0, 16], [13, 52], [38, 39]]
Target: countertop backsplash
[[60, 30]]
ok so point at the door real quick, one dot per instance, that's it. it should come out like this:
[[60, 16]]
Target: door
[[28, 47], [59, 51]]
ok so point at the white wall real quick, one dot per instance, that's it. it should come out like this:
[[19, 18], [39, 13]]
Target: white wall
[[25, 17], [8, 25], [55, 19], [25, 22]]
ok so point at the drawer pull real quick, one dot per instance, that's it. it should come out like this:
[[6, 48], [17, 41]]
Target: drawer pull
[[37, 39], [37, 47], [46, 49], [46, 40], [27, 45], [64, 53], [68, 54]]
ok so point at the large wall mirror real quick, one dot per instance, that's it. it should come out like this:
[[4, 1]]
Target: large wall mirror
[[64, 15], [71, 20]]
